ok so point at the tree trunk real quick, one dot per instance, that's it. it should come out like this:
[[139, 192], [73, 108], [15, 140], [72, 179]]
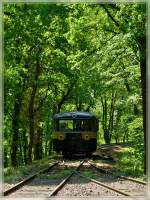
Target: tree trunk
[[31, 123], [38, 145], [142, 48], [78, 104], [88, 108], [111, 115], [105, 128], [107, 137], [31, 109], [64, 98], [108, 125], [5, 157], [25, 145], [47, 132], [15, 129], [50, 148], [20, 153], [116, 139]]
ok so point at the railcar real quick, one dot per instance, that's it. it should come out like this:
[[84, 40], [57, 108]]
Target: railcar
[[75, 132]]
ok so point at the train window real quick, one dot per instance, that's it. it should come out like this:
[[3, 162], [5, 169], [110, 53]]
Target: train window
[[77, 125], [84, 125], [65, 125]]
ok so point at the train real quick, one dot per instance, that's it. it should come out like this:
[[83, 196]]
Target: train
[[75, 133]]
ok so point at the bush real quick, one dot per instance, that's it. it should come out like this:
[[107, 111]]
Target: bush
[[131, 162]]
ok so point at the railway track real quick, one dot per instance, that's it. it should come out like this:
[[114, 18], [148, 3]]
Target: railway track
[[50, 182], [129, 186], [122, 177], [27, 180], [65, 180]]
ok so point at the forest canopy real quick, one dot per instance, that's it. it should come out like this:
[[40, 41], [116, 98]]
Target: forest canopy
[[73, 57]]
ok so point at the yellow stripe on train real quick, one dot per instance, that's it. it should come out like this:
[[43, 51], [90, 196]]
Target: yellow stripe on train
[[85, 135], [88, 135], [59, 136]]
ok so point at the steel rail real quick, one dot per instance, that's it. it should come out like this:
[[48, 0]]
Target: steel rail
[[54, 192], [23, 182], [132, 179], [102, 184], [117, 176]]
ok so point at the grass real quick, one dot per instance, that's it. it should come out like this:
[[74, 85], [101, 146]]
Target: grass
[[89, 174], [15, 174], [56, 175], [130, 164]]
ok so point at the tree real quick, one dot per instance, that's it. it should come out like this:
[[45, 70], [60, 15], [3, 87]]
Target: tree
[[66, 57]]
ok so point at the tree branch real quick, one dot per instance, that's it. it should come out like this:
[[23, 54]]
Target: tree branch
[[109, 14]]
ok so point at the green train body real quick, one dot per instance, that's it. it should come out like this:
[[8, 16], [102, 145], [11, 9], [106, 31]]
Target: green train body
[[75, 132]]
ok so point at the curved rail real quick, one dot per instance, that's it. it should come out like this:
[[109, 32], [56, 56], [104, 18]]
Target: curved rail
[[22, 183], [123, 177], [104, 185], [54, 192], [63, 182]]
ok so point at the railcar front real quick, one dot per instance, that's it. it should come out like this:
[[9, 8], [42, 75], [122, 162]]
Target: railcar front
[[75, 132]]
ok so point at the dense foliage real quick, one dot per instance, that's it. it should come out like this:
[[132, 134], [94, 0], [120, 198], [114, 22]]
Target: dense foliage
[[66, 57]]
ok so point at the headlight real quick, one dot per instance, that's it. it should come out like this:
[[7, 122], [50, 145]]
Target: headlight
[[86, 137], [61, 137]]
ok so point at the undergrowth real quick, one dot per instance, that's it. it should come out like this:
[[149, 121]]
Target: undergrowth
[[89, 174], [130, 163], [56, 175], [13, 174]]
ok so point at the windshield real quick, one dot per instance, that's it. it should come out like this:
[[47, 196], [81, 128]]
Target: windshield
[[76, 125], [65, 125]]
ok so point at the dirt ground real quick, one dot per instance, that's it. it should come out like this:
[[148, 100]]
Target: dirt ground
[[110, 151]]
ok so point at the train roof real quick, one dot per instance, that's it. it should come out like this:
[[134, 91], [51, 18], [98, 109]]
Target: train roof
[[74, 115]]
